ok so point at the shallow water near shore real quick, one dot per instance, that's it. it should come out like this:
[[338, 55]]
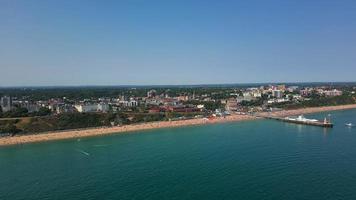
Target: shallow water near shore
[[260, 159]]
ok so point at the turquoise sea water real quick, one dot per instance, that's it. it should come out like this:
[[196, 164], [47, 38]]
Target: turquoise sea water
[[244, 160]]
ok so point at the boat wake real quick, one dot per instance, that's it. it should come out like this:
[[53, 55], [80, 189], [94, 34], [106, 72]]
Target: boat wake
[[100, 145], [83, 152]]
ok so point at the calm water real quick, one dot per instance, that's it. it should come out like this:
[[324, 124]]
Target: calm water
[[246, 160]]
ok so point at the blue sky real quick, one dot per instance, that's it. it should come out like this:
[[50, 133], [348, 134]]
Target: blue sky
[[175, 42]]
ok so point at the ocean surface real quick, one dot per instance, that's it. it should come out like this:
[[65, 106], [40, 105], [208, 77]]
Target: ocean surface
[[260, 159]]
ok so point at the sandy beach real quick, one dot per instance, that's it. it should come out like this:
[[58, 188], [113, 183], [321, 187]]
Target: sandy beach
[[73, 134]]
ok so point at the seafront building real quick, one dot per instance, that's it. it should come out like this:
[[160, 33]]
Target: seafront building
[[100, 107], [103, 107], [151, 94], [130, 103], [6, 103], [332, 93], [231, 105], [277, 94], [65, 108], [83, 108], [31, 107]]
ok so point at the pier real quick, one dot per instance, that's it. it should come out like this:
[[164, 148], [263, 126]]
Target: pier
[[302, 120]]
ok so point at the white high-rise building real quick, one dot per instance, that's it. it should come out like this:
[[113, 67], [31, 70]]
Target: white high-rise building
[[86, 107], [6, 103], [277, 93], [151, 93], [103, 107]]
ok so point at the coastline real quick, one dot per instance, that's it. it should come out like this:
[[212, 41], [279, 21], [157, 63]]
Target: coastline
[[72, 134]]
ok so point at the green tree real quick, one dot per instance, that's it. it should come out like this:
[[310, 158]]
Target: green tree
[[10, 128], [43, 111], [16, 112]]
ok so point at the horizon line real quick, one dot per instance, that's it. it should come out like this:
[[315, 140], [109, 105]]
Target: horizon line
[[183, 85]]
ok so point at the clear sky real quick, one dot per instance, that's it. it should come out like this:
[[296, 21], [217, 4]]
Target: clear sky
[[73, 42]]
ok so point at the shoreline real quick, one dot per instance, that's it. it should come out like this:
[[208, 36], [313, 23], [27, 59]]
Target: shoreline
[[73, 134]]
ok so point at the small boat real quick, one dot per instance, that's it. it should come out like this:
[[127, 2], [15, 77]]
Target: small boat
[[349, 125]]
